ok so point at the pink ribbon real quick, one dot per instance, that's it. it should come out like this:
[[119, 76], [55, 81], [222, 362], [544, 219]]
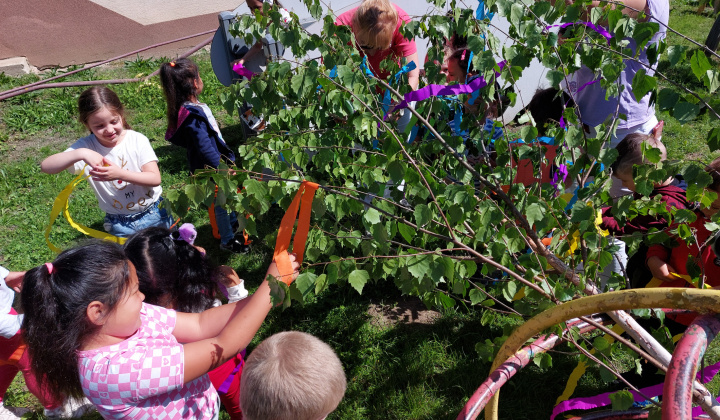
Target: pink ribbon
[[242, 71]]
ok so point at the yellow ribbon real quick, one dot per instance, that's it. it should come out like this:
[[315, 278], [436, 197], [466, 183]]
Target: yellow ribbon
[[61, 203]]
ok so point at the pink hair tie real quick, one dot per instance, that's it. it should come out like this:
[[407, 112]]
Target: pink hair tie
[[462, 57], [49, 267]]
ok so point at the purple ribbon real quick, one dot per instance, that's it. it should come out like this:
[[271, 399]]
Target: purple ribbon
[[599, 29], [443, 90], [602, 400], [228, 381], [561, 170], [242, 71]]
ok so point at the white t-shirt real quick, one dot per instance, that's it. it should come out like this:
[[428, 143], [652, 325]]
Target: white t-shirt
[[120, 197], [9, 324]]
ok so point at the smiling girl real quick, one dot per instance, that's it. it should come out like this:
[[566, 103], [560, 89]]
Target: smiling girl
[[122, 165], [89, 332]]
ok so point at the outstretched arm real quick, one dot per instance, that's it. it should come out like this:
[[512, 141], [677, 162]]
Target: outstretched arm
[[58, 162], [230, 328]]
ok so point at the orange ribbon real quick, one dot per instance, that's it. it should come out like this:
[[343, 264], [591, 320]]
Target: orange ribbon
[[305, 193], [15, 357]]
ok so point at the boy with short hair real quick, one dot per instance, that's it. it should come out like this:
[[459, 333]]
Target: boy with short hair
[[291, 375]]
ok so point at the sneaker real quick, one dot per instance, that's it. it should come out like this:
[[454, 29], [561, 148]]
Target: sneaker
[[12, 413], [235, 246], [254, 122], [71, 408]]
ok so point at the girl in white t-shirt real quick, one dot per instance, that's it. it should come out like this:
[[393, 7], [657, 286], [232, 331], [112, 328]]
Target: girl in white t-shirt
[[122, 165], [89, 332]]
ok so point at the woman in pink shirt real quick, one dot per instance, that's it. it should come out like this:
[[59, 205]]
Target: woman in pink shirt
[[376, 26]]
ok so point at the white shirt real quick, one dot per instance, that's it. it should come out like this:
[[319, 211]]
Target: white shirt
[[9, 324], [120, 197]]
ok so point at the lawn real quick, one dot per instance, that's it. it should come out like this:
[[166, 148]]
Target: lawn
[[425, 368]]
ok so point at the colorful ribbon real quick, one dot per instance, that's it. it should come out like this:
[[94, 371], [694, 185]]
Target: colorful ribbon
[[62, 204], [599, 29], [305, 193], [242, 71]]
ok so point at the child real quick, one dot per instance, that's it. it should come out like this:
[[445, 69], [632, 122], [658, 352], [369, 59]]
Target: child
[[174, 274], [630, 154], [664, 263], [291, 375], [89, 332], [192, 125], [122, 165]]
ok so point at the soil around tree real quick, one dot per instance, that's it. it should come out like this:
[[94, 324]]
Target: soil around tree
[[407, 310]]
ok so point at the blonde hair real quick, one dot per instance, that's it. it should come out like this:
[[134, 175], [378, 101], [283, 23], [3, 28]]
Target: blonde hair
[[374, 24], [630, 152], [291, 375]]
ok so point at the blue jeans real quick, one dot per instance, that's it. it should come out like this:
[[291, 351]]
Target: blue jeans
[[225, 222], [124, 225]]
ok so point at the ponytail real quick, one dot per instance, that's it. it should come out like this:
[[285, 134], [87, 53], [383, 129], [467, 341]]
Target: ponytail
[[171, 271], [178, 83], [55, 304]]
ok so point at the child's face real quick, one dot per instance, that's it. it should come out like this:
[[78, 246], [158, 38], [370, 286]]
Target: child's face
[[627, 179], [455, 73], [107, 127], [124, 320], [199, 85]]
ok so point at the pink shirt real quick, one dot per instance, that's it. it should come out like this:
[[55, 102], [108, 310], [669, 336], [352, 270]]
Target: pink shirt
[[400, 46], [142, 377]]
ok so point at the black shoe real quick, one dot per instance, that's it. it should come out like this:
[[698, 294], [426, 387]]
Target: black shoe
[[235, 247]]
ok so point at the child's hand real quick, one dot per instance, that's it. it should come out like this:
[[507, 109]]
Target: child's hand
[[106, 171], [14, 280], [661, 270], [91, 157], [273, 270], [229, 277]]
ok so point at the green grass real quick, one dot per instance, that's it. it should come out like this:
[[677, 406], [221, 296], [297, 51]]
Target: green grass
[[399, 371]]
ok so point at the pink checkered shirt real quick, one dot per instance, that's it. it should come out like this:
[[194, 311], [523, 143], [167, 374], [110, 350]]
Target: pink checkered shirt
[[142, 377]]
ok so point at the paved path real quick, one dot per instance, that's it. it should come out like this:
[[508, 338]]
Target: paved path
[[65, 32]]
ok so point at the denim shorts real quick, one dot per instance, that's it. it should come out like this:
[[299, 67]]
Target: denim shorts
[[124, 225]]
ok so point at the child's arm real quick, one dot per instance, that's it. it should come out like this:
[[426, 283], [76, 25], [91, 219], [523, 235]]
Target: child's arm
[[414, 74], [58, 162], [108, 171], [14, 280], [657, 256], [231, 327]]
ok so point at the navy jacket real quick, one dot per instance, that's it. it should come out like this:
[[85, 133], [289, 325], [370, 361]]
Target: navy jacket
[[204, 146]]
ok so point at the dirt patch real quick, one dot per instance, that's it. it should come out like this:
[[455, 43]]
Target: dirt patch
[[407, 310], [19, 149]]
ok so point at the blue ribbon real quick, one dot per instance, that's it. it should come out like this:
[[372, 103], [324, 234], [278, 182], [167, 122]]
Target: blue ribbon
[[482, 12]]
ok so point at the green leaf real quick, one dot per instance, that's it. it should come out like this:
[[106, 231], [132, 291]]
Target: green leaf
[[422, 214], [305, 282], [396, 170], [509, 290], [535, 212], [685, 112], [196, 193], [621, 400], [642, 84], [667, 98], [543, 361], [488, 318], [476, 296], [419, 265], [407, 232], [699, 64], [676, 54], [358, 279], [372, 216], [713, 140], [321, 283]]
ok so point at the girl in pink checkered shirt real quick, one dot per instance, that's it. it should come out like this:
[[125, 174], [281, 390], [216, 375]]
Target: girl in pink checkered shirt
[[89, 332]]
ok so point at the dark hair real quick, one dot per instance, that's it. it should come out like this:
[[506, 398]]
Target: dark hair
[[55, 306], [178, 83], [96, 98], [713, 169], [630, 152], [547, 106], [462, 56], [170, 268]]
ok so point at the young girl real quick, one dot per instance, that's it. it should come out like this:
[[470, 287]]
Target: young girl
[[88, 331], [122, 165], [177, 275], [192, 125]]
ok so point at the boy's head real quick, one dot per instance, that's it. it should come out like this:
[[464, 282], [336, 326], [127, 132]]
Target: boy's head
[[714, 170], [547, 106], [630, 153], [291, 375]]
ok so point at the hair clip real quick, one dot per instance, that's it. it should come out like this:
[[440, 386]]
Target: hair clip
[[462, 57], [188, 233], [49, 267], [172, 64]]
